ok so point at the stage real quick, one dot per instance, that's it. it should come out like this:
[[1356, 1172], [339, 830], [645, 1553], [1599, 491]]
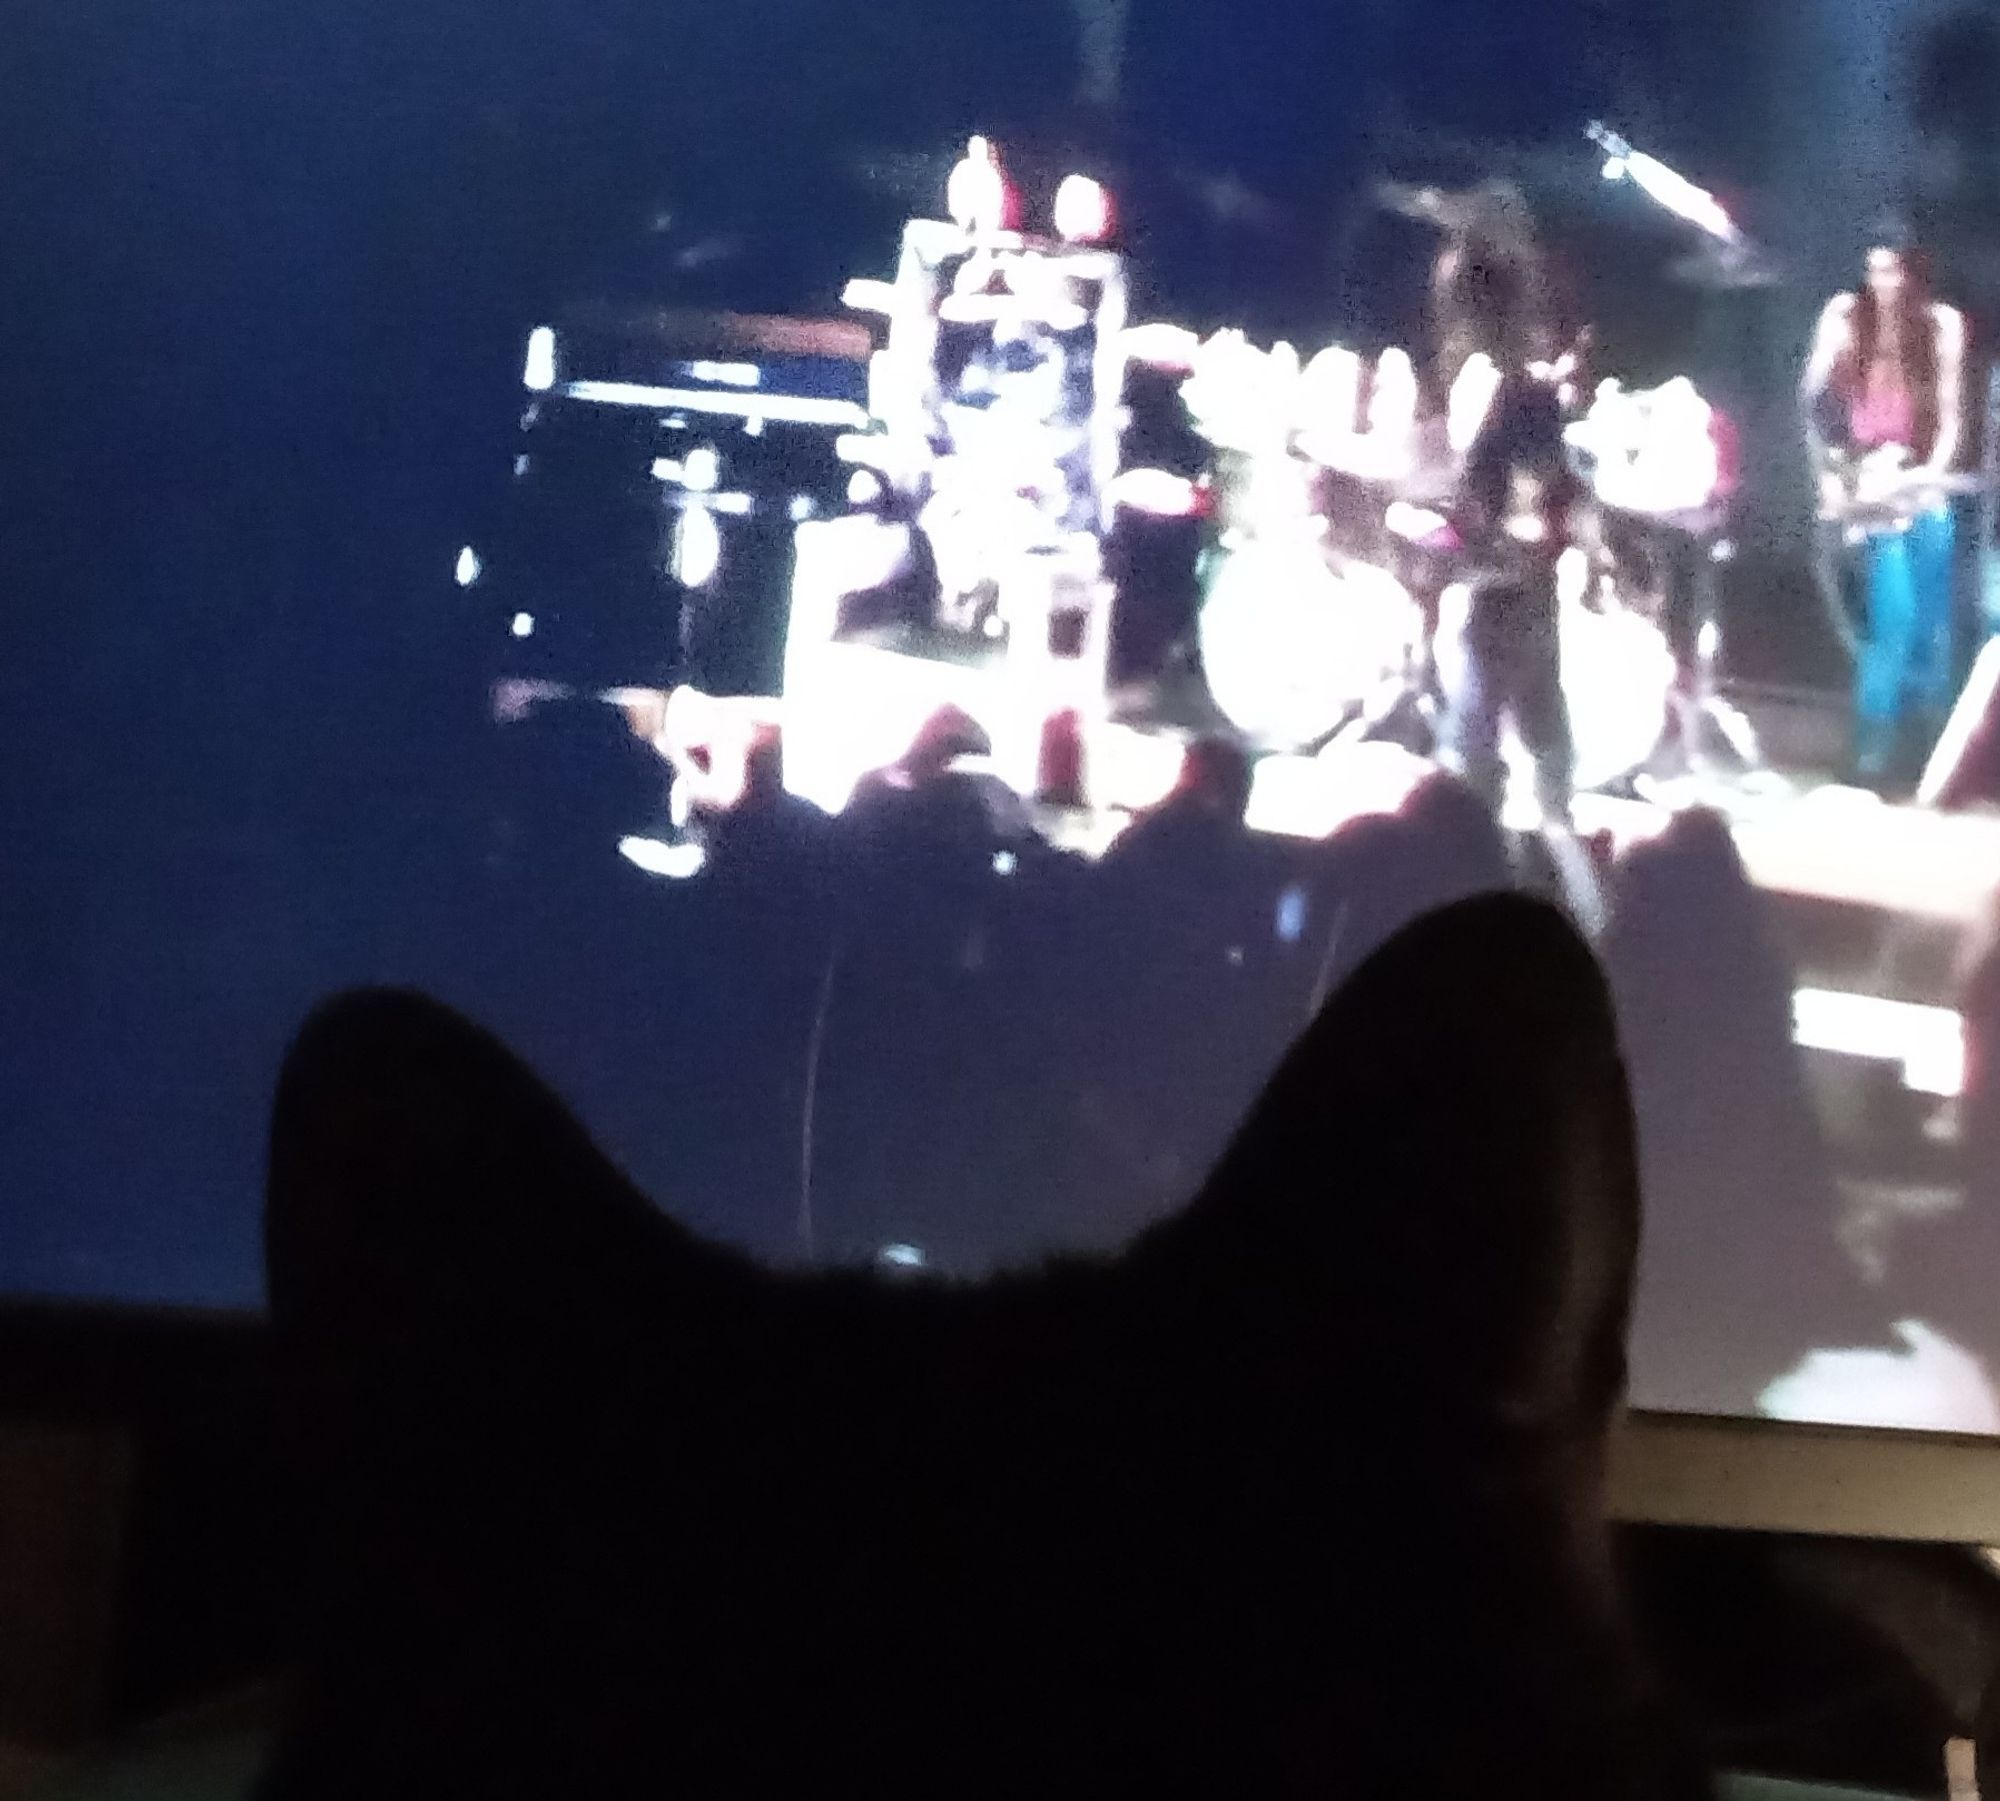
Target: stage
[[1874, 900]]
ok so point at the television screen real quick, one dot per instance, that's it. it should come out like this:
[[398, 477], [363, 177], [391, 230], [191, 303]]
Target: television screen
[[898, 621]]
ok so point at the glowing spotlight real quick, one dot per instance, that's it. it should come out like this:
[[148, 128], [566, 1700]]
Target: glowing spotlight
[[1005, 862], [701, 468], [1392, 408], [524, 625], [1473, 392], [679, 861], [902, 1256], [1156, 491], [539, 374], [868, 296], [697, 548], [864, 488], [466, 570], [1616, 168], [1083, 210], [727, 375]]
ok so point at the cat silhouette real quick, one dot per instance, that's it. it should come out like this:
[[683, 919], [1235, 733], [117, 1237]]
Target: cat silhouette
[[1299, 1495]]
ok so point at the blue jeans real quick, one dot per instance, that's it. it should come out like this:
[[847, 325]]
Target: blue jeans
[[1907, 655]]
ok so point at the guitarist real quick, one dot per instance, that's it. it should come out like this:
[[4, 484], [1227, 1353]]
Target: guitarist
[[1885, 411], [1510, 514]]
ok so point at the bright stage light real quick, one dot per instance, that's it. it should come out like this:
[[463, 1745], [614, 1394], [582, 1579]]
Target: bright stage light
[[466, 570], [524, 625], [1413, 523], [1392, 408], [538, 376], [697, 550], [1161, 345], [1472, 394], [678, 862], [701, 468], [789, 409], [1156, 491], [1083, 210], [727, 375], [866, 295], [1330, 390]]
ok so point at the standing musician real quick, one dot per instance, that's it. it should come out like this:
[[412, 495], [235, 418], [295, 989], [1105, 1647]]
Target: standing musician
[[1884, 405], [1510, 511]]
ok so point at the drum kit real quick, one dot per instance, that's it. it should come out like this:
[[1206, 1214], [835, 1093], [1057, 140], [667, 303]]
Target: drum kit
[[1328, 552], [1323, 587], [1322, 592]]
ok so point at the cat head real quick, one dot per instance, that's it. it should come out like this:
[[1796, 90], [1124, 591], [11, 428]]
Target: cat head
[[1298, 1493]]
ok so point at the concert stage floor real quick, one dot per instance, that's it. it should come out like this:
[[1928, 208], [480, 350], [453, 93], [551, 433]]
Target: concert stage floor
[[1871, 902], [854, 707], [1873, 899]]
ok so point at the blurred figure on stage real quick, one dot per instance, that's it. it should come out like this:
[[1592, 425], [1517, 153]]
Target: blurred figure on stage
[[1885, 416], [1510, 513]]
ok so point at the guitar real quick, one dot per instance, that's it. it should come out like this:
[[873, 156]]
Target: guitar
[[1883, 492]]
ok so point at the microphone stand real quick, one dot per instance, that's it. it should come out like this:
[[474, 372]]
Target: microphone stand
[[1739, 262]]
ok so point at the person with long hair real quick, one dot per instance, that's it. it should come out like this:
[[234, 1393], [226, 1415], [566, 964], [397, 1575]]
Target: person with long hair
[[1493, 314], [1884, 396]]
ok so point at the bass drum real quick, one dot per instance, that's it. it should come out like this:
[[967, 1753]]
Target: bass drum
[[1290, 647], [1617, 676]]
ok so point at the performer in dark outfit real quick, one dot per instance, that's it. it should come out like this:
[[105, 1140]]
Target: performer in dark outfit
[[1510, 513]]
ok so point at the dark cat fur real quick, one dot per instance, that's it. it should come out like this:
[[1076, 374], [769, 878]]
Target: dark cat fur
[[1300, 1496]]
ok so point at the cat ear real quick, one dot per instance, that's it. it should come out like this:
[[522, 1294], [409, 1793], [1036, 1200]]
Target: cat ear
[[1437, 1191], [437, 1223]]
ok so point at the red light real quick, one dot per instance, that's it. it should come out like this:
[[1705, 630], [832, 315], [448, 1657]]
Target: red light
[[1083, 210]]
